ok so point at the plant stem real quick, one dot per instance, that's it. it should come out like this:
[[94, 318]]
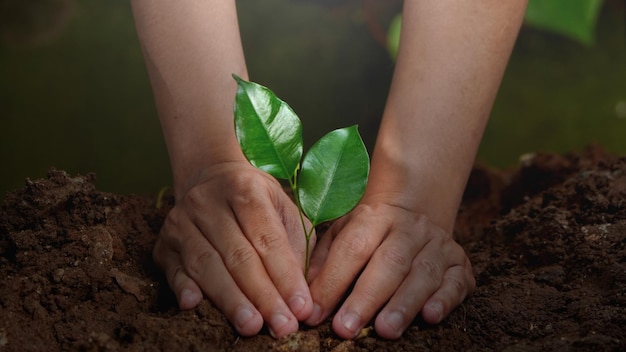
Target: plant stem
[[307, 256], [293, 183]]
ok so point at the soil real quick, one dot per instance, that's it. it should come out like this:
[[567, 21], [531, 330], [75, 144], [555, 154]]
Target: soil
[[547, 240]]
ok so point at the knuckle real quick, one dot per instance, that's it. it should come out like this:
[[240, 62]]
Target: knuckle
[[356, 247], [372, 212], [244, 182], [239, 257], [445, 245], [394, 258], [196, 198], [430, 268], [173, 220], [268, 243], [368, 210], [429, 230], [197, 264], [458, 285], [174, 277], [246, 191]]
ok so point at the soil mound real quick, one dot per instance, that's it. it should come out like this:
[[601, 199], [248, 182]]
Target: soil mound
[[547, 241]]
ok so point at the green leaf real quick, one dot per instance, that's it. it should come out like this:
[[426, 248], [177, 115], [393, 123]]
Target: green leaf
[[393, 36], [333, 176], [575, 19], [268, 131]]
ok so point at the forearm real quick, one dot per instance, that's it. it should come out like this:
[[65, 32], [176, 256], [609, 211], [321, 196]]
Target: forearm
[[447, 75], [191, 48]]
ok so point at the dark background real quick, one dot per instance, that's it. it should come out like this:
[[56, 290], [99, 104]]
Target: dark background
[[74, 92]]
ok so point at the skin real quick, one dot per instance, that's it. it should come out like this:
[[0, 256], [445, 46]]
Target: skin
[[234, 236], [446, 78]]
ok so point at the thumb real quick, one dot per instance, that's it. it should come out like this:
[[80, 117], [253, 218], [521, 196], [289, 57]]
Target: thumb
[[321, 250]]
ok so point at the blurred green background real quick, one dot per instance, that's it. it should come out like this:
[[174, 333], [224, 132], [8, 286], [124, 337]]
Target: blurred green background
[[74, 92]]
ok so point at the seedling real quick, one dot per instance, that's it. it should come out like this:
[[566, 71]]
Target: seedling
[[327, 183]]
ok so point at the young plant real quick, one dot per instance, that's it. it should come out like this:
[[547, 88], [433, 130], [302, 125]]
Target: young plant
[[327, 183]]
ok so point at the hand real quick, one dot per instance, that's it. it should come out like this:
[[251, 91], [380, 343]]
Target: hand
[[408, 266], [237, 237]]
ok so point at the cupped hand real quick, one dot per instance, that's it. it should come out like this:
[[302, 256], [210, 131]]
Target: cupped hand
[[402, 263], [236, 237]]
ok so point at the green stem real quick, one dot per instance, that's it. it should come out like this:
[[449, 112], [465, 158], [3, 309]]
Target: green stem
[[307, 256], [293, 183]]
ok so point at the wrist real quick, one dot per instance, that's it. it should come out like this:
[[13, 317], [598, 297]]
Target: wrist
[[425, 183], [191, 168]]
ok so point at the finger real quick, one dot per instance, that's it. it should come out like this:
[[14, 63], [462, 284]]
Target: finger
[[211, 274], [204, 268], [319, 254], [262, 225], [188, 293], [348, 254], [424, 279], [246, 268], [322, 247], [458, 283], [387, 269]]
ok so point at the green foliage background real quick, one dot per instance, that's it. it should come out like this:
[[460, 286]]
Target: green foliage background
[[574, 19], [74, 92]]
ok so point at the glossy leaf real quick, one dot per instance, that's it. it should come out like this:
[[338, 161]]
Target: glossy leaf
[[268, 131], [333, 176]]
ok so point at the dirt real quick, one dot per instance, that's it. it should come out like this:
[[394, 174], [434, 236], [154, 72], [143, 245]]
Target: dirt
[[547, 240]]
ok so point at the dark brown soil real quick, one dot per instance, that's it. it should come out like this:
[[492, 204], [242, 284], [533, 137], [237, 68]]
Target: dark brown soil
[[547, 240]]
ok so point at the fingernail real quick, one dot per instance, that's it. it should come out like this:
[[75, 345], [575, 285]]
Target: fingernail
[[351, 321], [243, 316], [296, 303], [395, 320], [188, 299], [316, 315], [277, 322]]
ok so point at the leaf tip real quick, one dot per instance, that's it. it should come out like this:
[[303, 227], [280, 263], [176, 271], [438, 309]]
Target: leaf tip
[[237, 78]]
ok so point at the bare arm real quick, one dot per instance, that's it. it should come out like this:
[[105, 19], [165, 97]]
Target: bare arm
[[397, 243], [233, 234], [191, 48], [451, 61]]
